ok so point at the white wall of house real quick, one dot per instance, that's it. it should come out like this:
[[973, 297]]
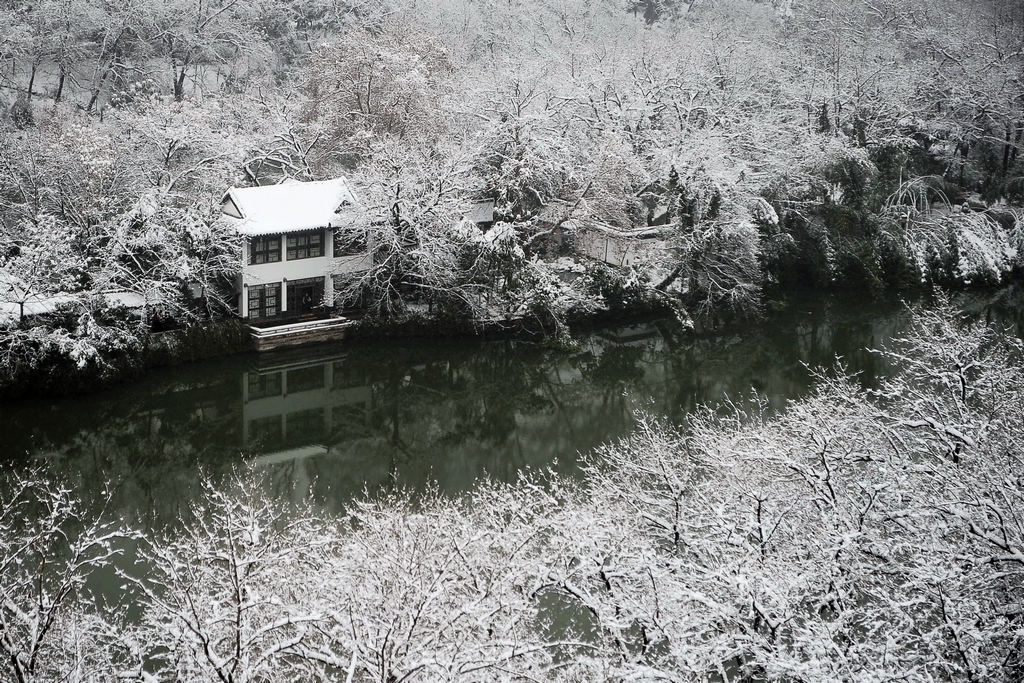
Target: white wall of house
[[284, 270], [616, 250]]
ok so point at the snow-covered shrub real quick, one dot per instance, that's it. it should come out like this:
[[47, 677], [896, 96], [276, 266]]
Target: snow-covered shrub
[[802, 251], [503, 258], [960, 248], [763, 214], [549, 300], [844, 173], [1015, 236], [722, 264], [979, 250], [831, 171], [75, 345], [21, 113]]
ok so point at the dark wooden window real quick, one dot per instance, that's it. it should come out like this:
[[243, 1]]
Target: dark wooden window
[[264, 300], [261, 386], [349, 242], [266, 431], [305, 379], [265, 249], [305, 426], [306, 245]]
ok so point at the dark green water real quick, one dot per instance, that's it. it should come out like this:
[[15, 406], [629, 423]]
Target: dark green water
[[374, 415]]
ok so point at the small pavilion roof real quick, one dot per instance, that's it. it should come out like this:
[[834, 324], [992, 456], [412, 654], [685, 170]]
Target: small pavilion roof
[[288, 207], [481, 211]]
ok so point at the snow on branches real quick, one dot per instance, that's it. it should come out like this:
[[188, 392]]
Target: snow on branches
[[856, 535]]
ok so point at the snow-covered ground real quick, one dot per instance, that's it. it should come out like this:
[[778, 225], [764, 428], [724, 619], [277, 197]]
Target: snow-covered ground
[[37, 304]]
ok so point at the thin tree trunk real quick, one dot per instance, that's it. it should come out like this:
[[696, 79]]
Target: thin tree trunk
[[964, 151], [99, 87], [1006, 150], [60, 84], [664, 284], [179, 84], [31, 81]]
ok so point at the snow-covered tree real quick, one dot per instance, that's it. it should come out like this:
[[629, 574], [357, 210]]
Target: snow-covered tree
[[38, 265], [180, 260], [855, 535], [411, 213], [231, 593], [391, 82], [50, 546], [434, 590]]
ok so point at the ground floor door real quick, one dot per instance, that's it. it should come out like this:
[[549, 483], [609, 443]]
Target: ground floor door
[[305, 297]]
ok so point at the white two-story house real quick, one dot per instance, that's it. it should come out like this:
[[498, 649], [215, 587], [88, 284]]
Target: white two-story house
[[290, 255]]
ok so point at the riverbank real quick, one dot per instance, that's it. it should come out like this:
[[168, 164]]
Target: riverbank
[[60, 373], [46, 367]]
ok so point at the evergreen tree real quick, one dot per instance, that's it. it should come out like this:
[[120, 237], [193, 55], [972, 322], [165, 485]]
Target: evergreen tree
[[21, 113], [824, 119], [714, 204], [672, 194], [657, 10]]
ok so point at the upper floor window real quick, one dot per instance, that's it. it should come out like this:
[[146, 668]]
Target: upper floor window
[[306, 379], [264, 385], [265, 249], [349, 242], [306, 245]]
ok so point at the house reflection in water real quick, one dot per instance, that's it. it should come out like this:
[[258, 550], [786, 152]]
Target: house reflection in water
[[293, 410], [355, 421]]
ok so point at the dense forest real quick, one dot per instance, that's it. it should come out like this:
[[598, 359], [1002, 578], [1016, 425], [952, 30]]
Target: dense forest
[[756, 145]]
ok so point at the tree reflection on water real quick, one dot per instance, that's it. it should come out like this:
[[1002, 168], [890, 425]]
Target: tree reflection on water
[[376, 415]]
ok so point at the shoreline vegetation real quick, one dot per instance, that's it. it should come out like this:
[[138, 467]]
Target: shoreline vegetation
[[64, 376], [855, 535], [59, 374], [758, 146]]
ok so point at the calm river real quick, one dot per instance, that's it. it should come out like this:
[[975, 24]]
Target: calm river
[[404, 413]]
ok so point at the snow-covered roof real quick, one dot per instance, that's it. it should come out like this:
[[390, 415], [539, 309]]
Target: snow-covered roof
[[481, 211], [643, 233], [288, 207]]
